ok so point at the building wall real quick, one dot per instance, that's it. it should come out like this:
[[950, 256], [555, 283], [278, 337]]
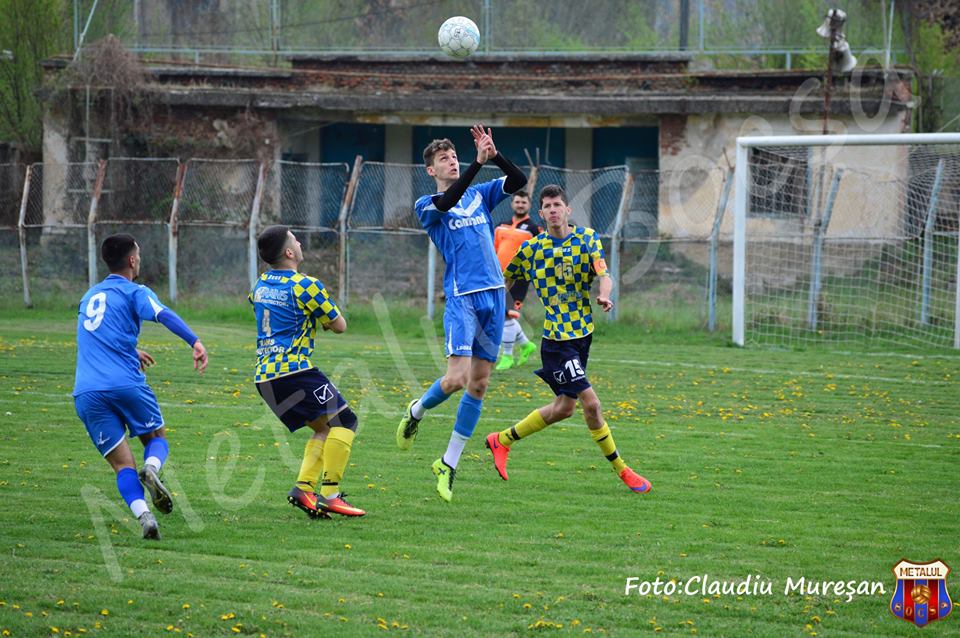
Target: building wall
[[697, 152]]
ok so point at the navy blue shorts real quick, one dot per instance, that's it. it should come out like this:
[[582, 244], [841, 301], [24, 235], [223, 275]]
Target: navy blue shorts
[[301, 398], [565, 365]]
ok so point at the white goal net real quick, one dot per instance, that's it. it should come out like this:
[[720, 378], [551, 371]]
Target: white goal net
[[847, 239]]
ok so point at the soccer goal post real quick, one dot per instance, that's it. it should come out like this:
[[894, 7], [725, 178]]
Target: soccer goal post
[[847, 238]]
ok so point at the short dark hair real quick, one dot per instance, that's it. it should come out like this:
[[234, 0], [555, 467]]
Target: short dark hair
[[435, 147], [271, 242], [521, 193], [553, 190], [115, 249]]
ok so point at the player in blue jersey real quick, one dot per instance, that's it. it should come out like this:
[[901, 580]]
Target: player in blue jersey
[[289, 306], [457, 218], [111, 391]]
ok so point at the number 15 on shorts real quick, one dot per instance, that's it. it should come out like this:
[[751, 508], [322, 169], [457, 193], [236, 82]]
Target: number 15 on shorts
[[574, 371]]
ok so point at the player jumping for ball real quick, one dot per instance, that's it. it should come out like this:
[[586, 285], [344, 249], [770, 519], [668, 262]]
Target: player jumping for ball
[[457, 218], [561, 264]]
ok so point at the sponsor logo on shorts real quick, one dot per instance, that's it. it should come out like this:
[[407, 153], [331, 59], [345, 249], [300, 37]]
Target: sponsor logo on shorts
[[323, 393]]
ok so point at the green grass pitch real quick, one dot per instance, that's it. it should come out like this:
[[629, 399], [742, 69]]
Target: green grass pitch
[[768, 464]]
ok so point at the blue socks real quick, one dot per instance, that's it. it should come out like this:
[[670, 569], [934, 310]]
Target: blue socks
[[155, 452], [434, 396], [128, 484], [468, 415]]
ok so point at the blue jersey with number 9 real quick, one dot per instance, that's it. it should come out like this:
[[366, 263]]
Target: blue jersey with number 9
[[108, 325]]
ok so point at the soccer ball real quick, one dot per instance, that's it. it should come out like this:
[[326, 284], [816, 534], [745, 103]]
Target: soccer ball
[[459, 37]]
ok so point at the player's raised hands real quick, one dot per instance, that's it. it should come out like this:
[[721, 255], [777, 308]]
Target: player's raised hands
[[483, 140], [199, 357]]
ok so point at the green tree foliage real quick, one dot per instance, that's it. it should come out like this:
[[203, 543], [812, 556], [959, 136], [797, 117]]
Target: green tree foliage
[[31, 30]]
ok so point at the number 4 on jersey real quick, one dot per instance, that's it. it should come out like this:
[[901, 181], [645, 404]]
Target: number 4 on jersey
[[265, 323]]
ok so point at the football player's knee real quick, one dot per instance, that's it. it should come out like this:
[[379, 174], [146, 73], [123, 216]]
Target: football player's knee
[[565, 409], [591, 410], [344, 419], [478, 387], [454, 382]]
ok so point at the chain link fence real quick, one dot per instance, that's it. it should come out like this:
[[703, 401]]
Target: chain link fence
[[268, 32], [667, 234], [197, 221], [11, 194]]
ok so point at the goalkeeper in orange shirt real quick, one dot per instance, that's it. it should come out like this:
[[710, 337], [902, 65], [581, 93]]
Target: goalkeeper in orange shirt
[[507, 239]]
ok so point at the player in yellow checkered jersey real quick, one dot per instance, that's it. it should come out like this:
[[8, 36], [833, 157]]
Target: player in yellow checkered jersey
[[562, 263], [288, 306]]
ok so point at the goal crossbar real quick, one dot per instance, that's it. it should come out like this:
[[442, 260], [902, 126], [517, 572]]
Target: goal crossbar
[[742, 197]]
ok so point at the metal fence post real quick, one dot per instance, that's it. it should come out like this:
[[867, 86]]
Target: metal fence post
[[487, 31], [431, 277], [274, 29], [345, 207], [173, 231], [816, 267], [83, 34], [532, 182], [616, 241], [92, 224], [714, 237], [253, 269], [22, 236], [928, 229]]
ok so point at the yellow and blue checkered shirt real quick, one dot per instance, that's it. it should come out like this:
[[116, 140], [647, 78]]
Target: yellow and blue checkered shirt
[[561, 271], [288, 306]]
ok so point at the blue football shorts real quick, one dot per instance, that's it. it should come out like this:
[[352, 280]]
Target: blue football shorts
[[564, 365], [109, 414], [473, 324]]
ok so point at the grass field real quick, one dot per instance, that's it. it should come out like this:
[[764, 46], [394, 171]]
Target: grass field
[[773, 465]]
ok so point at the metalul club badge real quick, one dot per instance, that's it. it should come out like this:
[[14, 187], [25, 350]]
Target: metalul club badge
[[921, 596]]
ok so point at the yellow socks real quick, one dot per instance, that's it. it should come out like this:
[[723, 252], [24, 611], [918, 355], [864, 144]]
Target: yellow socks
[[604, 439], [531, 424], [336, 454], [312, 465]]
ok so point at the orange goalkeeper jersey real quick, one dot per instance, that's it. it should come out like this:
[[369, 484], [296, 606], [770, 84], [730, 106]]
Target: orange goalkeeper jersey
[[508, 238]]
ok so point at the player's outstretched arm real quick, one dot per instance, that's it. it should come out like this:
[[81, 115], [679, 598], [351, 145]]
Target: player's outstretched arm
[[452, 195], [449, 199], [178, 326], [516, 179]]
